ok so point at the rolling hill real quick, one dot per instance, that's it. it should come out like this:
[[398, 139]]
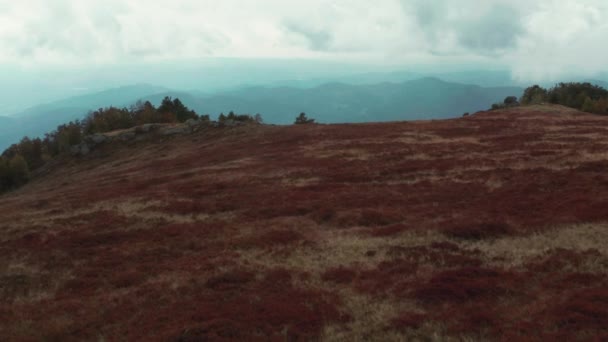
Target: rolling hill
[[489, 227]]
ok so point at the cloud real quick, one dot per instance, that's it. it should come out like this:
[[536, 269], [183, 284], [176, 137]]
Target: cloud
[[468, 27], [564, 39], [317, 40], [537, 39]]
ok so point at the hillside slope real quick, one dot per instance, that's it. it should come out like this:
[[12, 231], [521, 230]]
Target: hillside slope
[[488, 227]]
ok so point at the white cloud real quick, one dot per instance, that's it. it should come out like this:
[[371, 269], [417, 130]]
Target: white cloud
[[563, 38], [537, 39]]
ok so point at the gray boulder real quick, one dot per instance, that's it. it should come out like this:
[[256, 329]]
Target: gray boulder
[[175, 130], [193, 122], [126, 136], [81, 149], [97, 139], [147, 128]]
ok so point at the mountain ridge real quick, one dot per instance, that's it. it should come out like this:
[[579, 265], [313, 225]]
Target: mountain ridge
[[331, 102]]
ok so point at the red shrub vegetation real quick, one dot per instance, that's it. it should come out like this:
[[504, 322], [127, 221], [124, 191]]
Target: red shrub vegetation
[[128, 278], [323, 215], [107, 275], [339, 275], [445, 246], [231, 280], [273, 238], [478, 231], [185, 207], [388, 230], [482, 320], [585, 311], [448, 257], [563, 259], [466, 284], [268, 309], [386, 276], [409, 320], [368, 217]]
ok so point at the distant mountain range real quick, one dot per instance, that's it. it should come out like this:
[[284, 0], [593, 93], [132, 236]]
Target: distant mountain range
[[40, 119], [425, 98]]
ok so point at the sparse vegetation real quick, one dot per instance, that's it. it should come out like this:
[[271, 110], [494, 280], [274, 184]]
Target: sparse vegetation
[[482, 228]]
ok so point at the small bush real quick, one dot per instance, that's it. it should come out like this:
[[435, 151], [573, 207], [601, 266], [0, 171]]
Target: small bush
[[302, 119]]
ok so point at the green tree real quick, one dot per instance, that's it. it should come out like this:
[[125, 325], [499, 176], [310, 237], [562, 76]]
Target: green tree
[[588, 105], [5, 181], [144, 112], [511, 101], [30, 149], [534, 95], [18, 170], [302, 119], [222, 118], [177, 108]]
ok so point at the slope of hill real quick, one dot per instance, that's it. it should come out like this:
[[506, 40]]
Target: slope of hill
[[480, 228]]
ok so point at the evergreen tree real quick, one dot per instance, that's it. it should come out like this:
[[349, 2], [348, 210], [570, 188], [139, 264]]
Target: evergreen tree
[[303, 119], [18, 170]]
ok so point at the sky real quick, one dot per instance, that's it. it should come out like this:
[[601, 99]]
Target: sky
[[535, 40]]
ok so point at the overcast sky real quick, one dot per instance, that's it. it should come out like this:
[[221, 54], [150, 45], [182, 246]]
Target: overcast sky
[[535, 39]]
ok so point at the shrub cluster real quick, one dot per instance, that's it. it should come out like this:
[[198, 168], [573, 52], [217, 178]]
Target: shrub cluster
[[112, 118], [582, 96], [232, 117], [13, 172], [509, 101], [302, 119], [31, 154]]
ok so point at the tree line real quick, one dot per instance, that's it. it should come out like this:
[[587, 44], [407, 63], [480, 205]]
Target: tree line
[[19, 159], [585, 97]]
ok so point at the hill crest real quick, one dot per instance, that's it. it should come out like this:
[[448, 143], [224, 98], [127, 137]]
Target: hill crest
[[297, 231]]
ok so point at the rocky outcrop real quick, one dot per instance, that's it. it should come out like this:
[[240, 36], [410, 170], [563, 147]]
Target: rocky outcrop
[[81, 149], [147, 128], [96, 139], [175, 130], [143, 132]]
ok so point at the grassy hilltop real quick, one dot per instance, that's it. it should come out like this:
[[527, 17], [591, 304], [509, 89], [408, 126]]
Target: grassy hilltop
[[492, 226]]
